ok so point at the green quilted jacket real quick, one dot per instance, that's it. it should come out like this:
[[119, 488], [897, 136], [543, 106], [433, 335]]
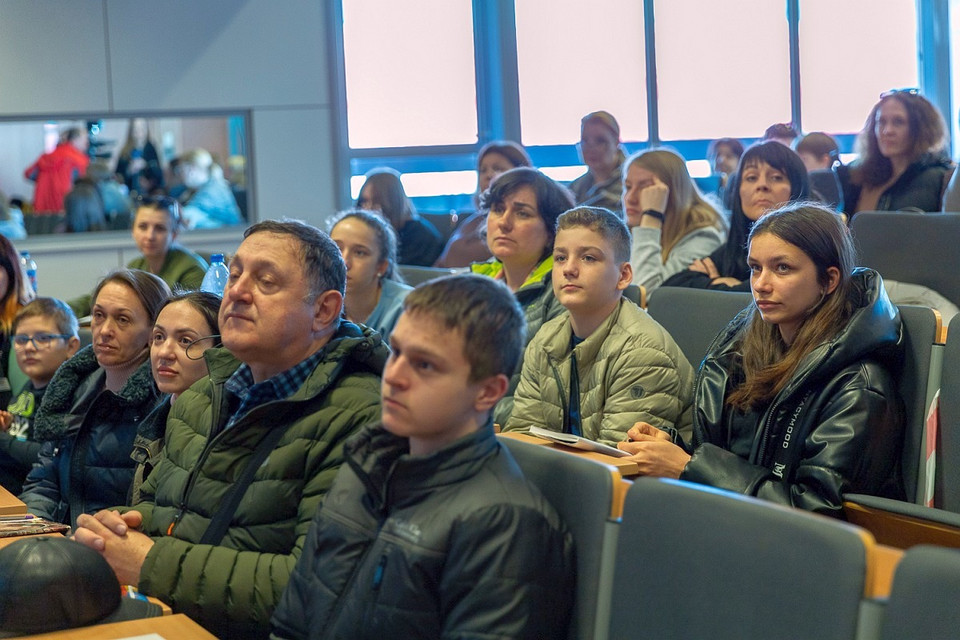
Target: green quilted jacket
[[232, 589]]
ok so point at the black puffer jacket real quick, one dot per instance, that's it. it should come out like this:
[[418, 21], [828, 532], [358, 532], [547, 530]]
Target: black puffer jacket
[[87, 434], [451, 545], [920, 188], [837, 426]]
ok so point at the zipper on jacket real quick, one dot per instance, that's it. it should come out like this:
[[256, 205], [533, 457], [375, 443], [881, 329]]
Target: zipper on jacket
[[176, 519], [379, 571], [564, 405]]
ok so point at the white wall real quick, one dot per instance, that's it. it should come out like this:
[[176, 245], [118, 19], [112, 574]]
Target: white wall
[[268, 57]]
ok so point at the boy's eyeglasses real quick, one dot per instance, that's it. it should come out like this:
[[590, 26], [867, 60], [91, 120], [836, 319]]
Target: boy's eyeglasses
[[40, 340]]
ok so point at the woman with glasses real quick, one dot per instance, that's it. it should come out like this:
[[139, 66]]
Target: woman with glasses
[[95, 403], [186, 327], [903, 162], [156, 224], [600, 150]]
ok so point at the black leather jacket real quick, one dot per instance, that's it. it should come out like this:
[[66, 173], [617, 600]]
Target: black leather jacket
[[837, 427], [455, 544]]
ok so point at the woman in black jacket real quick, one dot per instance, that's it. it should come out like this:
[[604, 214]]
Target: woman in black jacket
[[769, 175], [795, 401], [95, 402]]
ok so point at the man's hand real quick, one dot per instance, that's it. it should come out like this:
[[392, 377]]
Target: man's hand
[[6, 419], [654, 452], [116, 538]]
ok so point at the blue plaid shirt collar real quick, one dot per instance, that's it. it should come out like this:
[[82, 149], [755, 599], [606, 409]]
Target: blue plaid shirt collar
[[279, 387]]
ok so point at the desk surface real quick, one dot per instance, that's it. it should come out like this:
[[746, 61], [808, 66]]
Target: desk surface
[[627, 468], [10, 505], [175, 627]]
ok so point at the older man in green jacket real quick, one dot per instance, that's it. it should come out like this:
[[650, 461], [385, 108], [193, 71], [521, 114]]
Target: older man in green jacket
[[293, 382]]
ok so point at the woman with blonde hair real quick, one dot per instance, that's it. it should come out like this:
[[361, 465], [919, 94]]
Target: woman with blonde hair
[[671, 224]]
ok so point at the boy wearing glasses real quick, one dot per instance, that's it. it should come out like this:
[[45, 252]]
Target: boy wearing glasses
[[44, 336]]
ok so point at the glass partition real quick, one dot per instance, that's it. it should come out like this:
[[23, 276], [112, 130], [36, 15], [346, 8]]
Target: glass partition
[[85, 174]]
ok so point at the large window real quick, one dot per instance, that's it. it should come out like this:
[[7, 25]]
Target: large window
[[429, 81]]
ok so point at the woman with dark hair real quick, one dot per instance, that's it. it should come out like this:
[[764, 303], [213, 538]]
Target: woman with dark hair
[[15, 292], [671, 224], [600, 150], [138, 163], [522, 206], [186, 326], [156, 224], [903, 162], [375, 288], [467, 245], [419, 241], [95, 403], [795, 401], [769, 175]]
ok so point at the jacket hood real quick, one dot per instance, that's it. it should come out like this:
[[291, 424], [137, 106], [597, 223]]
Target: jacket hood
[[353, 348], [80, 369], [873, 331], [538, 278]]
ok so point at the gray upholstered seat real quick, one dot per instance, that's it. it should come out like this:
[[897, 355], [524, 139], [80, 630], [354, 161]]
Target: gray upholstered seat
[[920, 248], [923, 601], [698, 562], [582, 492], [694, 317], [948, 448]]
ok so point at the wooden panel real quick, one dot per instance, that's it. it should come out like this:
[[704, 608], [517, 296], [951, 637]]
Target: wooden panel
[[900, 531], [10, 505], [176, 626]]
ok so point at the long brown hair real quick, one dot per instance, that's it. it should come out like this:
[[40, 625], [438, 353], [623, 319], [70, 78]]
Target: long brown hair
[[686, 208], [768, 362], [928, 133], [19, 292]]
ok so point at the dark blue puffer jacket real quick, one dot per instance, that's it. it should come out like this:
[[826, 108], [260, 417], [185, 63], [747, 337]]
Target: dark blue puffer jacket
[[87, 434]]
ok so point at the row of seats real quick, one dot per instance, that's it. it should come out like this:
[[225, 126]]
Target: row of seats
[[669, 559]]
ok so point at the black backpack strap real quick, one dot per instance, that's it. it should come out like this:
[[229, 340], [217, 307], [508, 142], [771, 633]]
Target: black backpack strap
[[220, 521]]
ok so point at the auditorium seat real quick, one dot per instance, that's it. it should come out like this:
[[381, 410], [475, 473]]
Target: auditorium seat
[[698, 562], [694, 317], [588, 497], [414, 275], [919, 248], [926, 590], [948, 445]]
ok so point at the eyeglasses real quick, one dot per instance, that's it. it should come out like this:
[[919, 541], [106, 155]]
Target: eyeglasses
[[913, 91], [172, 205], [195, 352], [40, 340]]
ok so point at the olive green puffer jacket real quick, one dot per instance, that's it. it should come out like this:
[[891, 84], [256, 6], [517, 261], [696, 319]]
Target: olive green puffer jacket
[[232, 589]]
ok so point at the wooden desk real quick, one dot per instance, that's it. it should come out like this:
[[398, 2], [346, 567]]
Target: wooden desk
[[175, 627], [627, 468], [10, 505]]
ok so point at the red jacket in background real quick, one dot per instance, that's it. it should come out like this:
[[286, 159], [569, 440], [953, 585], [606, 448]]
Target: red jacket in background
[[54, 174]]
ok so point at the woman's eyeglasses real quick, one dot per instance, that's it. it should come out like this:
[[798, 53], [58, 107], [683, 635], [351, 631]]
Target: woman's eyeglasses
[[39, 340]]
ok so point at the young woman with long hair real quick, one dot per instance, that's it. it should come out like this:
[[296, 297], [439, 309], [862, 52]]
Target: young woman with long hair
[[795, 401]]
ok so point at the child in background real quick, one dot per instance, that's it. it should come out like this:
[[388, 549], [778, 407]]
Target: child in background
[[591, 372], [44, 336]]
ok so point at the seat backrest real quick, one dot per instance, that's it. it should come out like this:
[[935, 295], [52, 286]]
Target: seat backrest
[[581, 491], [694, 317], [918, 383], [920, 248], [697, 562], [414, 275], [948, 447], [923, 601]]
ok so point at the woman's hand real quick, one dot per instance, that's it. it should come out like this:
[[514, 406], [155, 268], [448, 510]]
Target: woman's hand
[[728, 281], [654, 452], [6, 419], [654, 197], [705, 266]]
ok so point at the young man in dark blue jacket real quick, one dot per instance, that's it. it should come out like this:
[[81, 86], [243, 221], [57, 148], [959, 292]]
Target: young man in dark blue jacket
[[430, 529]]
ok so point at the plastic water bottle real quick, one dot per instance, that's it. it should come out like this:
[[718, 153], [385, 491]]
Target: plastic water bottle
[[29, 268], [215, 280]]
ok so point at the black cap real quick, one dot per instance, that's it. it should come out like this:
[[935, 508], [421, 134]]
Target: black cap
[[53, 583]]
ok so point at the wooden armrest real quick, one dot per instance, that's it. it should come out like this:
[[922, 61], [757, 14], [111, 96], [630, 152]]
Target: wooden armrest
[[904, 527]]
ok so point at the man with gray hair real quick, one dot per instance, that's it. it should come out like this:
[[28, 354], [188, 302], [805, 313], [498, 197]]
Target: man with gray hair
[[251, 449]]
